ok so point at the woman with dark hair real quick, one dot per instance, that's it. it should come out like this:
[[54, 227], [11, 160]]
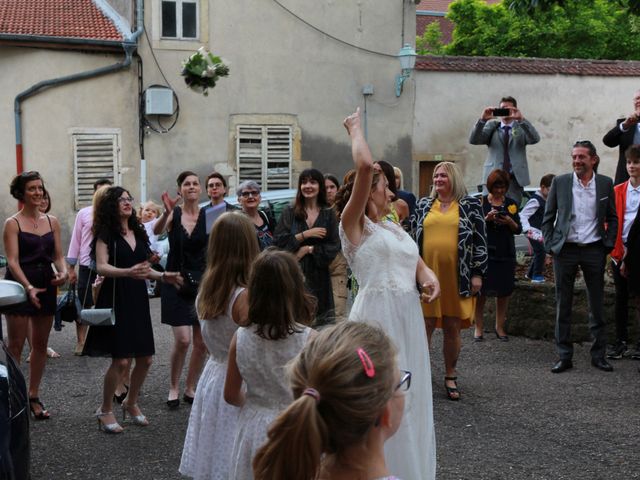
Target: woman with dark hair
[[398, 208], [32, 245], [502, 220], [331, 185], [309, 230], [121, 250], [186, 225]]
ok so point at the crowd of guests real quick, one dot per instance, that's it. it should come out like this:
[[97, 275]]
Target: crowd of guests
[[365, 250]]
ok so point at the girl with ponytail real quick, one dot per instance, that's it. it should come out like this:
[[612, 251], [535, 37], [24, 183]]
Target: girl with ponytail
[[349, 399]]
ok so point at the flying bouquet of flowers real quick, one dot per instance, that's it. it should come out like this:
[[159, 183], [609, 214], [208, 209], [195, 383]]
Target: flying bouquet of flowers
[[202, 70]]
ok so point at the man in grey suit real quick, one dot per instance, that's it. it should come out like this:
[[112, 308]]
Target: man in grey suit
[[507, 139], [579, 229]]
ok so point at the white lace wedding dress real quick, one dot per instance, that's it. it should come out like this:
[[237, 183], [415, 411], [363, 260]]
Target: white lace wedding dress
[[384, 265]]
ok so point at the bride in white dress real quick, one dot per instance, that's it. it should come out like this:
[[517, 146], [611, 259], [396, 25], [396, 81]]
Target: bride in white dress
[[386, 264]]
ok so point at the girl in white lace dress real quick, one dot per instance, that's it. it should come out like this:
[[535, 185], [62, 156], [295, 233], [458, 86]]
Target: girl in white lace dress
[[222, 305], [349, 400], [387, 266], [279, 309]]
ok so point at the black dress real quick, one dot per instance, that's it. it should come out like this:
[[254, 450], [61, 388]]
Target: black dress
[[132, 335], [501, 272], [35, 254], [315, 266], [185, 252]]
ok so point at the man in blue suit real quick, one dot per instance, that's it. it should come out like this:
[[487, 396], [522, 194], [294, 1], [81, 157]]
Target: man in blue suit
[[579, 227]]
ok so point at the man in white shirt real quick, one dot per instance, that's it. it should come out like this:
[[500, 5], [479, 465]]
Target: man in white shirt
[[579, 229]]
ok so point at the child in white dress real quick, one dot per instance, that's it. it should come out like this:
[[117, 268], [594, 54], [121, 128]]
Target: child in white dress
[[222, 305], [279, 309], [349, 399]]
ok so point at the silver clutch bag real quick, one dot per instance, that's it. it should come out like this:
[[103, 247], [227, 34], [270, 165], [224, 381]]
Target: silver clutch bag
[[98, 317]]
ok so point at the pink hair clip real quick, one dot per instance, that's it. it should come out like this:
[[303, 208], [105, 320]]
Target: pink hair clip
[[367, 364]]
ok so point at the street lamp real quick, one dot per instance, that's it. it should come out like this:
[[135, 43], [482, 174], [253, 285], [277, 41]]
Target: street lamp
[[407, 57]]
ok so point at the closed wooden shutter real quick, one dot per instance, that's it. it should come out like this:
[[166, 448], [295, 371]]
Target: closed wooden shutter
[[95, 156], [263, 155]]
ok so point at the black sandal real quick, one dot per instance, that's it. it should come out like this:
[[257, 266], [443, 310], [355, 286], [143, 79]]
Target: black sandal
[[42, 414], [452, 392], [120, 398]]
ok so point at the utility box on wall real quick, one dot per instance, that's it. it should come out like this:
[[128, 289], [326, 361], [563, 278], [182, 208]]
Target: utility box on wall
[[159, 101]]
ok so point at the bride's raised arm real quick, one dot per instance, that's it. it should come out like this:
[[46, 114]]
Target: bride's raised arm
[[354, 211]]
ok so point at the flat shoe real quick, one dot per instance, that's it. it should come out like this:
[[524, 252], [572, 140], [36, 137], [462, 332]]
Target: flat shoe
[[187, 399], [561, 366], [502, 338], [173, 404], [478, 339]]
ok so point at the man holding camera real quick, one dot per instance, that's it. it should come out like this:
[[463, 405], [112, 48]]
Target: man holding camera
[[623, 135], [506, 132]]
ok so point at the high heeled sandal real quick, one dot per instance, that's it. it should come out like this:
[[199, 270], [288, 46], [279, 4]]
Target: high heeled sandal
[[114, 427], [120, 398], [452, 392], [43, 414], [139, 420]]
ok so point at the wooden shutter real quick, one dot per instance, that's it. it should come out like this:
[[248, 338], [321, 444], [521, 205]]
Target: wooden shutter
[[264, 155], [95, 156]]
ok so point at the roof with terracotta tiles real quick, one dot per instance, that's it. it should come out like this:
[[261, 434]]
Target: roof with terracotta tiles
[[80, 19], [529, 66], [446, 27]]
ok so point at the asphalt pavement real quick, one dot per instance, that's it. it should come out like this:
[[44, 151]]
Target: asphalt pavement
[[516, 420]]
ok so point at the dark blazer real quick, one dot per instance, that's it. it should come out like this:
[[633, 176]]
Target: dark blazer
[[472, 239], [557, 215], [632, 258], [617, 138]]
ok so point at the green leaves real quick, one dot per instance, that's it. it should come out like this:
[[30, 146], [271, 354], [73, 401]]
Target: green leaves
[[596, 29], [202, 70]]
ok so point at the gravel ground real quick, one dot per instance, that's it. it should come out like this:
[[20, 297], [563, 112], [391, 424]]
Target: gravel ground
[[516, 420]]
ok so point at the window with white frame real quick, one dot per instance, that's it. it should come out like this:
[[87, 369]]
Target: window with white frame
[[179, 19], [263, 154], [95, 156]]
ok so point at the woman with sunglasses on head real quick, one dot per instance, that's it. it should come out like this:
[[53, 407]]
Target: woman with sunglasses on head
[[387, 266], [121, 251], [32, 246], [349, 400], [264, 223], [309, 230]]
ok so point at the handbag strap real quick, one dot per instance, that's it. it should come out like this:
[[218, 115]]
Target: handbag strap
[[115, 264]]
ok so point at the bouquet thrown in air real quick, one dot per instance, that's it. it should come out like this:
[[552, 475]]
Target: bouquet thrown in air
[[202, 70]]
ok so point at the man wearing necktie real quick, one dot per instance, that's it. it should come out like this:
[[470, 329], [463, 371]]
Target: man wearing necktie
[[507, 138]]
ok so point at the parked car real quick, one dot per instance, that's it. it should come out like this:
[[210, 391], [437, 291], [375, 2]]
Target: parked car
[[15, 449]]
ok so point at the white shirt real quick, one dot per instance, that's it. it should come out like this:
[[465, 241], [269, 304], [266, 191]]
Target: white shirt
[[631, 208], [584, 213], [529, 209]]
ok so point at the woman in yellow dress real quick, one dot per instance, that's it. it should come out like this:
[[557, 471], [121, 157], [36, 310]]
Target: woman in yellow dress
[[449, 229]]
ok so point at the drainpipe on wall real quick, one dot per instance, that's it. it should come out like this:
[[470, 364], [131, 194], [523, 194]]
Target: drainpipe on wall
[[129, 46]]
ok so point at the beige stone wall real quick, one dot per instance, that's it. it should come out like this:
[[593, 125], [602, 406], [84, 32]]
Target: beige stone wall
[[563, 109], [49, 117]]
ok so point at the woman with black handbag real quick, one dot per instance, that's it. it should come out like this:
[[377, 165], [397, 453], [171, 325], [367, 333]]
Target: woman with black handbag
[[186, 225], [121, 251]]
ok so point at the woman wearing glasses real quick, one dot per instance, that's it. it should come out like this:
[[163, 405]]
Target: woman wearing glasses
[[186, 225], [121, 250], [344, 410], [249, 198]]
